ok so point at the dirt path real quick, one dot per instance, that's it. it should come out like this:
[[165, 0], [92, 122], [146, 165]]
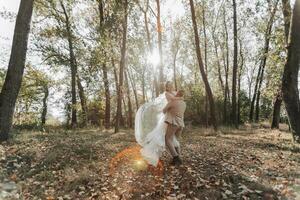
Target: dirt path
[[92, 164]]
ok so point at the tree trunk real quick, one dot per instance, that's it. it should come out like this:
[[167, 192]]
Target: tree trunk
[[202, 70], [257, 106], [107, 96], [156, 85], [159, 34], [265, 60], [260, 75], [290, 88], [145, 11], [276, 111], [117, 89], [218, 63], [14, 75], [150, 50], [205, 61], [104, 69], [122, 66], [174, 70], [83, 101], [147, 31], [239, 83], [143, 88], [254, 96], [134, 90], [44, 112], [68, 109], [226, 69], [130, 112], [121, 122], [239, 100], [72, 65], [234, 70], [115, 75], [287, 11]]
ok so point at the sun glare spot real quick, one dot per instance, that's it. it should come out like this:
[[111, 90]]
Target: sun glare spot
[[140, 165], [153, 58], [131, 157]]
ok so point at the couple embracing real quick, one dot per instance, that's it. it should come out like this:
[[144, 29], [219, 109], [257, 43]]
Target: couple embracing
[[158, 125]]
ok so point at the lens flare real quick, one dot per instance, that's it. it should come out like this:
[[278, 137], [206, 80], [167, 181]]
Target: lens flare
[[132, 158], [154, 58], [139, 165]]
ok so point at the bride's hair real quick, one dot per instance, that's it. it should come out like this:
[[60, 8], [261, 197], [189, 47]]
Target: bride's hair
[[168, 85]]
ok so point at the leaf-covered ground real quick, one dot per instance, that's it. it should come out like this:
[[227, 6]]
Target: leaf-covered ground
[[251, 163]]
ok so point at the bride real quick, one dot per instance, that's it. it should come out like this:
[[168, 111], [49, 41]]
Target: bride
[[150, 126]]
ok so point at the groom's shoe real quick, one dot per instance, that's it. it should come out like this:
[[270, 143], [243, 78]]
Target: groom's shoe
[[176, 161]]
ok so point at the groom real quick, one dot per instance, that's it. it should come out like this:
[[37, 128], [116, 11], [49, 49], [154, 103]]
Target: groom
[[174, 112]]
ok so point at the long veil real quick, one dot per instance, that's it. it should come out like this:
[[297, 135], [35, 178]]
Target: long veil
[[150, 129]]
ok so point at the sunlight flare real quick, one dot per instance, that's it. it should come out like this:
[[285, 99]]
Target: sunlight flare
[[154, 57], [131, 158], [140, 165]]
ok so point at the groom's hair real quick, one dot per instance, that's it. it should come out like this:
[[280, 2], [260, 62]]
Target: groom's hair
[[180, 93]]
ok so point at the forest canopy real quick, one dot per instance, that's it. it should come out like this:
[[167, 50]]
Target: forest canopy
[[95, 62]]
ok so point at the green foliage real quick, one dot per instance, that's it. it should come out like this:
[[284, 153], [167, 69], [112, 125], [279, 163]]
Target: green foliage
[[29, 104], [97, 43], [96, 112], [244, 107]]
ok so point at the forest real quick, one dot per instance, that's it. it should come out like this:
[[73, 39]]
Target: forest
[[76, 72]]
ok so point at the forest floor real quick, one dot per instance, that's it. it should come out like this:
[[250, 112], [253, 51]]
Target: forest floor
[[250, 163]]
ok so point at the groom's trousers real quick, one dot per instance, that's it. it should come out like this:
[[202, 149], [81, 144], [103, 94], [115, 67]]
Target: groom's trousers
[[172, 130]]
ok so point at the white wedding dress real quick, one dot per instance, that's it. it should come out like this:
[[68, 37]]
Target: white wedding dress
[[150, 129]]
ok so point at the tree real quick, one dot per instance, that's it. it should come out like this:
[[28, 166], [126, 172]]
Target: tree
[[263, 61], [287, 11], [39, 83], [205, 55], [31, 105], [58, 43], [104, 66], [201, 67], [13, 79], [73, 64], [45, 106], [290, 76], [122, 66], [159, 34], [130, 111], [133, 85], [215, 44], [83, 100], [239, 82], [175, 47], [149, 44], [225, 55], [234, 117]]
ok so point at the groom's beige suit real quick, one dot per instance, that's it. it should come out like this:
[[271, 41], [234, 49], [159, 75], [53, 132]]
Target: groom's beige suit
[[174, 117]]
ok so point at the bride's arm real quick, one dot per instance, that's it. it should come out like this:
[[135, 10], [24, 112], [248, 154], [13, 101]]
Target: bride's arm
[[171, 97]]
